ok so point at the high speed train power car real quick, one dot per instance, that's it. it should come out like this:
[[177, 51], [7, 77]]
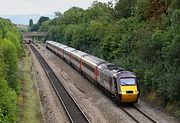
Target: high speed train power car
[[119, 83]]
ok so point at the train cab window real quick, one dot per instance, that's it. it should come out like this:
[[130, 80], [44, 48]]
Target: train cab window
[[127, 81]]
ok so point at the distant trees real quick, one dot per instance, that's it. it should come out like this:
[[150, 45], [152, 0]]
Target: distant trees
[[31, 23], [58, 14], [42, 19], [10, 51]]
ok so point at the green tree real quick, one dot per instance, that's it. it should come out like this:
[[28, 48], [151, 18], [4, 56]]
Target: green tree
[[9, 58], [124, 8], [42, 19], [8, 107], [58, 14], [10, 51], [73, 16], [139, 9], [101, 12], [31, 23]]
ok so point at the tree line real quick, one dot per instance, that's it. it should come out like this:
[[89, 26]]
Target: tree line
[[140, 35], [10, 52]]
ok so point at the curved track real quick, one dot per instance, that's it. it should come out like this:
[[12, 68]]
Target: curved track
[[73, 110]]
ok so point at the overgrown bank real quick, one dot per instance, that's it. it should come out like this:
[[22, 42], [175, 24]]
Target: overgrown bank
[[139, 35], [10, 52], [30, 111]]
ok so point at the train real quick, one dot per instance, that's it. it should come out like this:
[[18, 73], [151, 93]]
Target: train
[[119, 83]]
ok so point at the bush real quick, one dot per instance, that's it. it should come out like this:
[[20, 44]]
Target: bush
[[8, 107]]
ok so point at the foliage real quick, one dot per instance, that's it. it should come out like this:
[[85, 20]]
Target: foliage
[[42, 19], [10, 51], [139, 9], [31, 23], [73, 16], [99, 12], [124, 8], [9, 59], [8, 107]]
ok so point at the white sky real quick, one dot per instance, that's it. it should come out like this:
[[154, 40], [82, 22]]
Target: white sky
[[24, 7]]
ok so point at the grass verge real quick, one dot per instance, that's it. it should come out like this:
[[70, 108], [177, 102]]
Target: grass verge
[[170, 107], [28, 100]]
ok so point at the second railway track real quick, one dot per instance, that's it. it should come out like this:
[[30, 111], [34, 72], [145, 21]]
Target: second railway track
[[73, 110]]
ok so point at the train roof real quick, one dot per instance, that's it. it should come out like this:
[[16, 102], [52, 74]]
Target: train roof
[[62, 46], [126, 74], [55, 43], [51, 42], [93, 60], [88, 58], [79, 53], [69, 49], [111, 66]]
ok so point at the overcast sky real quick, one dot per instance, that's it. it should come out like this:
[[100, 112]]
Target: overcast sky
[[24, 7]]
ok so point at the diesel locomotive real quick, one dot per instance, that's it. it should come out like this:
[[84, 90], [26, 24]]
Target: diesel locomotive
[[118, 82]]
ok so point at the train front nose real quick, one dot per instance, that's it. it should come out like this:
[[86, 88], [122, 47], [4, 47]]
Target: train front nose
[[129, 94]]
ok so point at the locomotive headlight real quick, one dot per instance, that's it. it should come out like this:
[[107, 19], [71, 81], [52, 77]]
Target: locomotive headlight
[[122, 92], [136, 92]]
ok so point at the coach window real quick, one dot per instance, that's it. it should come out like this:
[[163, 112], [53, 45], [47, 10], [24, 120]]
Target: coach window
[[89, 67], [65, 53], [76, 59]]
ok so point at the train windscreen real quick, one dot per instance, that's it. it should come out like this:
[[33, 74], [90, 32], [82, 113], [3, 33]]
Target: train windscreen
[[127, 81]]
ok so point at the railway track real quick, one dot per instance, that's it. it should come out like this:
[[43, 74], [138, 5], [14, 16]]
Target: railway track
[[71, 107], [148, 117], [129, 113]]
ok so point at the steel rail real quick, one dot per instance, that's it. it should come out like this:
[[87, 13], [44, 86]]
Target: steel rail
[[132, 117], [141, 112], [148, 117]]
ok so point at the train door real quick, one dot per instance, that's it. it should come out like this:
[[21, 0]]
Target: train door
[[114, 85]]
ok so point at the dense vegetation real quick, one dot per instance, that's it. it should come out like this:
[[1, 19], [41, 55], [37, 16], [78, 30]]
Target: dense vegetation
[[10, 50], [140, 35]]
